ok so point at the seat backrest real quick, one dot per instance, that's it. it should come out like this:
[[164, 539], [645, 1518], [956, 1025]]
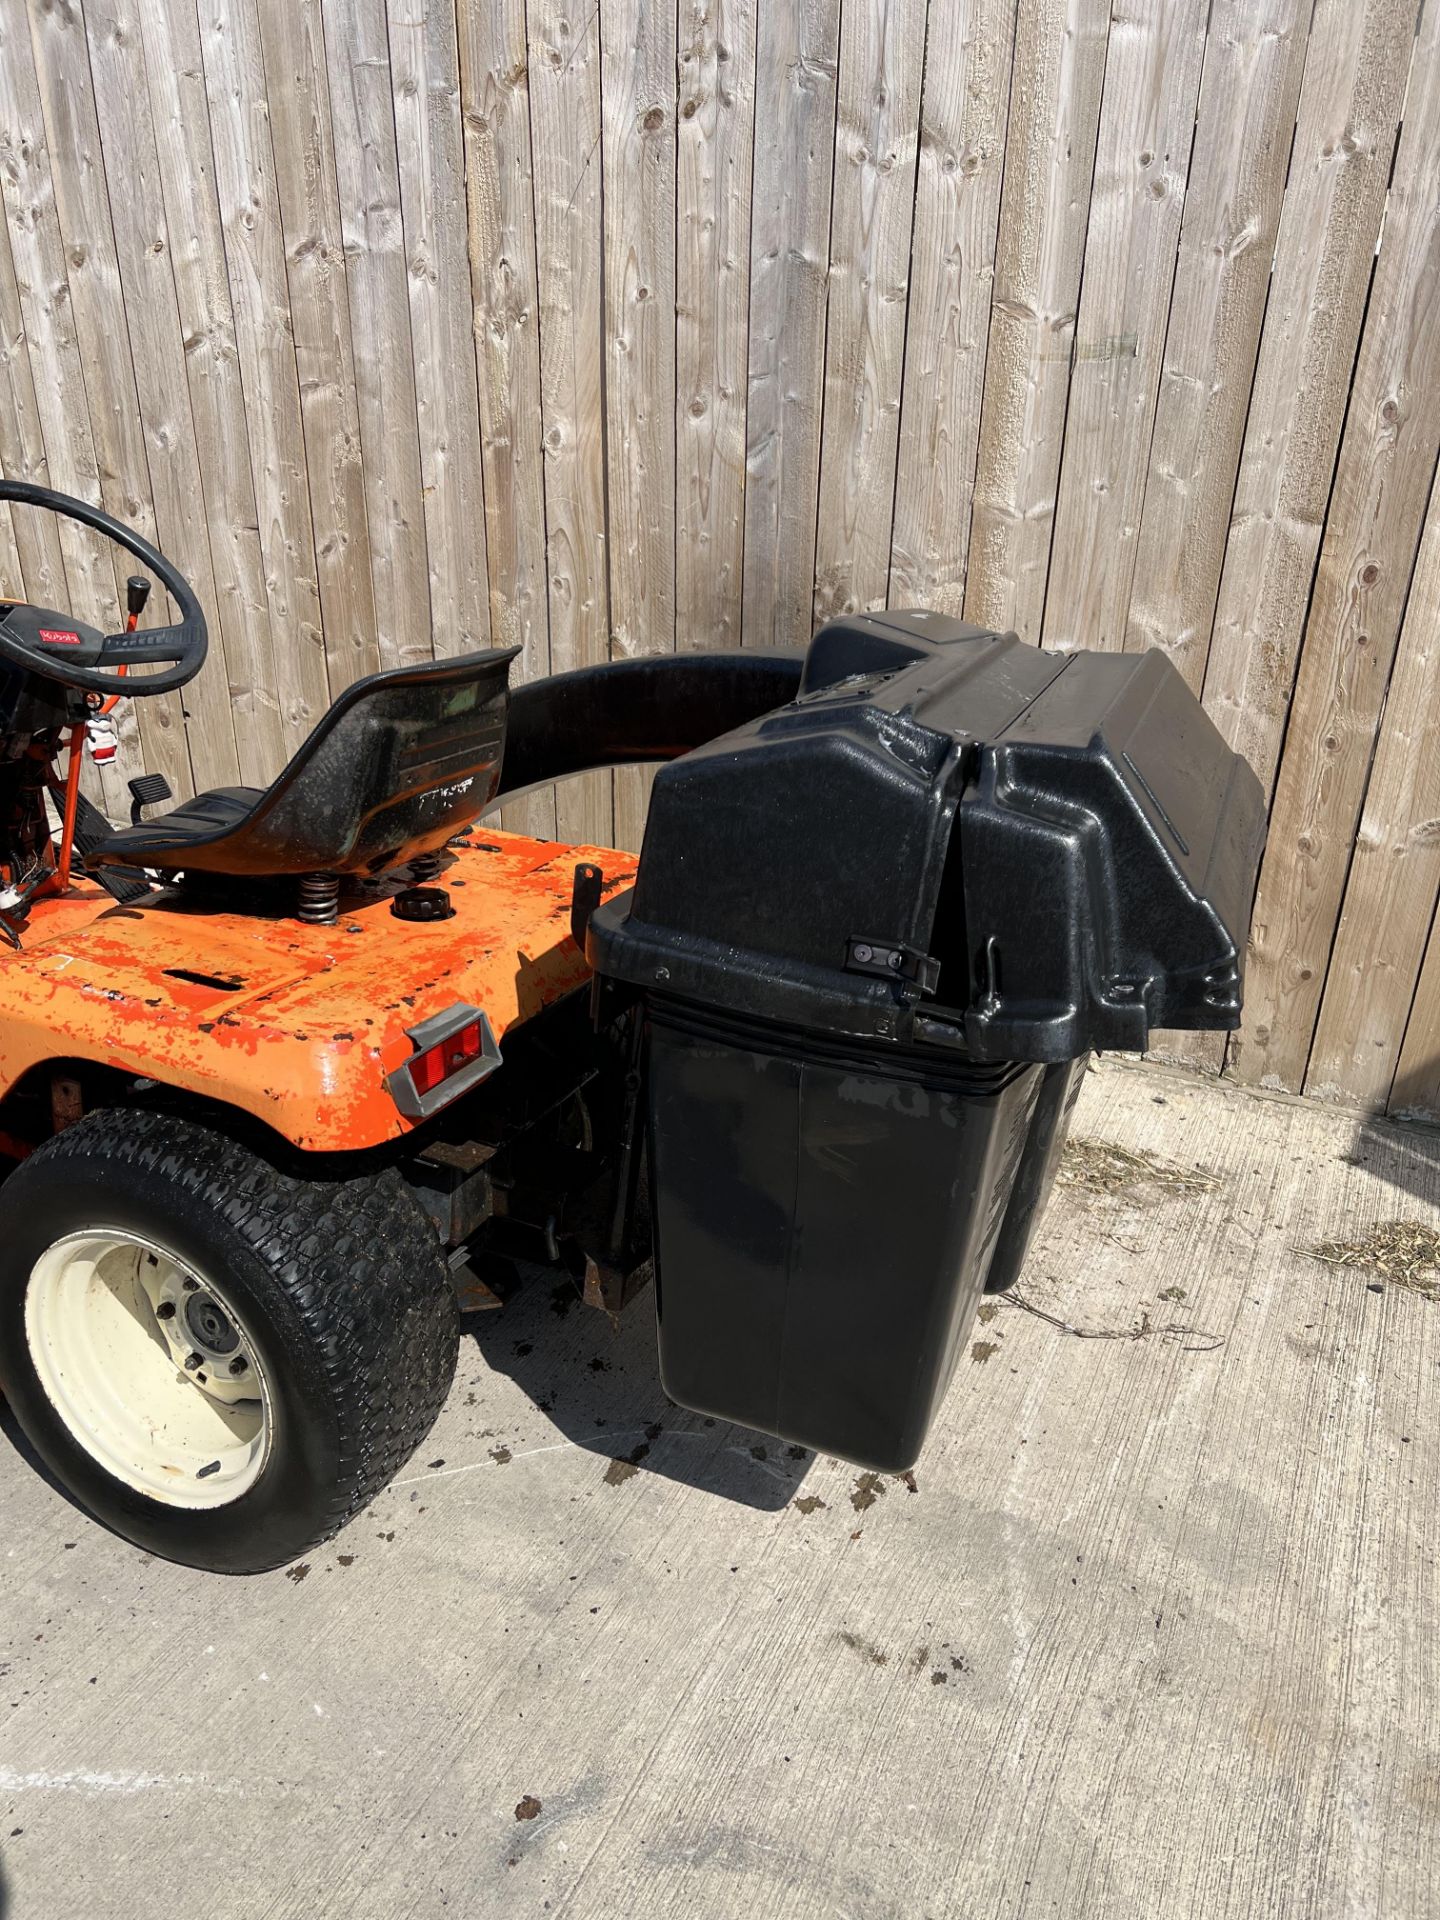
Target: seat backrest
[[401, 762]]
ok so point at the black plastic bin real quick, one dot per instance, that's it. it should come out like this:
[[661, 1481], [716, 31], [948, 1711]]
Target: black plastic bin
[[877, 932]]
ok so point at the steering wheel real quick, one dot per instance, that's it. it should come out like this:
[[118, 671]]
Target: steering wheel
[[64, 649]]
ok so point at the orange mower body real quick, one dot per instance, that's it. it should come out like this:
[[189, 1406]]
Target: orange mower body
[[301, 1027]]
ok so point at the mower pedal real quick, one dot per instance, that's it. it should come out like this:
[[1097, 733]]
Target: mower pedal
[[147, 790], [92, 830]]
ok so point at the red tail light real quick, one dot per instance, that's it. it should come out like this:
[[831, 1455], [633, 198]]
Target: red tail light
[[454, 1051], [436, 1064]]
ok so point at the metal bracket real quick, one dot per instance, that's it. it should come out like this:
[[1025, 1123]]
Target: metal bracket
[[891, 962], [586, 897]]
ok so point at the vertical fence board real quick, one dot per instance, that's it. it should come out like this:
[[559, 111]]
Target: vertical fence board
[[1395, 874], [1044, 207], [12, 573], [425, 86], [500, 194], [1142, 162], [255, 258], [1382, 483], [22, 447], [42, 292], [502, 259], [213, 704], [1249, 90], [714, 138], [1345, 134], [151, 730], [367, 171], [952, 264], [882, 52], [638, 45], [1248, 97], [795, 87], [240, 612], [570, 238], [1416, 1091], [293, 46]]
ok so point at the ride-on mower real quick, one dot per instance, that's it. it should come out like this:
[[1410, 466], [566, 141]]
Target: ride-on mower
[[289, 1076]]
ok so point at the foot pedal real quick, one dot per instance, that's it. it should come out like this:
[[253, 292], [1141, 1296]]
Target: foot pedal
[[147, 790], [92, 830]]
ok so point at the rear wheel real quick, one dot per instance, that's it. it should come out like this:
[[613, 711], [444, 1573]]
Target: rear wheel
[[219, 1360]]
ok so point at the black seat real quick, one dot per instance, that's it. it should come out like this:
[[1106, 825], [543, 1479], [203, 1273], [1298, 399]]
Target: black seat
[[402, 761]]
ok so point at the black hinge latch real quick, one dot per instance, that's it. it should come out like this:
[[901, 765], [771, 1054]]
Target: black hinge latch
[[891, 962]]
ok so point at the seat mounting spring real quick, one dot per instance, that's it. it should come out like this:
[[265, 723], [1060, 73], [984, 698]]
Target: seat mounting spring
[[319, 898]]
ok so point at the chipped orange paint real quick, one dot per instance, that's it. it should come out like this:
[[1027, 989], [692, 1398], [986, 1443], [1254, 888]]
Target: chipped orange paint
[[295, 1024]]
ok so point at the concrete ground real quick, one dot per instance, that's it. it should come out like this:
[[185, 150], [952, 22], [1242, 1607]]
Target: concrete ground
[[1152, 1632]]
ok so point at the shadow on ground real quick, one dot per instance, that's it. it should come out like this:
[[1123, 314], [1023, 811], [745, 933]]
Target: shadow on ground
[[597, 1381], [1404, 1155], [10, 1427]]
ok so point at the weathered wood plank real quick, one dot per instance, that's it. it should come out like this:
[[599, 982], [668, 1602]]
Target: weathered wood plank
[[1377, 507], [1416, 1089], [259, 295], [957, 208], [1395, 871], [96, 296], [882, 54], [215, 707], [12, 573], [714, 142], [569, 246], [1049, 163], [425, 70], [1353, 87], [496, 110], [1142, 161], [638, 152], [22, 447], [367, 169], [795, 87], [1249, 91], [42, 294], [496, 102], [1349, 111], [298, 111], [240, 610]]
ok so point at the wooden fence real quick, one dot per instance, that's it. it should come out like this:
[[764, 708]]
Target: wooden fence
[[600, 330]]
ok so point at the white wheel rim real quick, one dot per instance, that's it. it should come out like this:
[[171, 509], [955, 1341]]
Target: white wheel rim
[[150, 1368]]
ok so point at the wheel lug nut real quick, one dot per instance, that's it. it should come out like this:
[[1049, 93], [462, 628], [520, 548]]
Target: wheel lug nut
[[192, 1286], [165, 1310], [237, 1365], [192, 1361]]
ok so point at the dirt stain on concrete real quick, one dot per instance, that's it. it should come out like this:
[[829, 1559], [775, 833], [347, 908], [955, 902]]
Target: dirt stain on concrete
[[867, 1649], [867, 1490], [619, 1471]]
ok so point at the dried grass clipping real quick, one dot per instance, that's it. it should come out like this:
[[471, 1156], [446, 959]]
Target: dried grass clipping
[[1402, 1252], [1105, 1167]]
